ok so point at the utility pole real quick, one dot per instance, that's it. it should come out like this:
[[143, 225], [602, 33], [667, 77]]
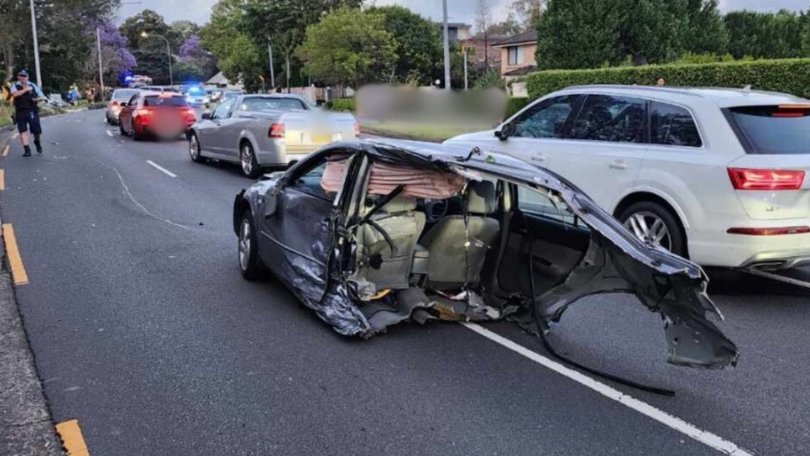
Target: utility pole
[[36, 45], [272, 72], [100, 69], [465, 68], [446, 48]]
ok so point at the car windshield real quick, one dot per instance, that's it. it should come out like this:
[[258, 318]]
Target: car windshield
[[271, 104], [773, 129], [123, 95], [159, 100]]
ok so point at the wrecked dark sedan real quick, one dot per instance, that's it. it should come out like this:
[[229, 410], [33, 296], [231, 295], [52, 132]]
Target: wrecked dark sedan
[[369, 234]]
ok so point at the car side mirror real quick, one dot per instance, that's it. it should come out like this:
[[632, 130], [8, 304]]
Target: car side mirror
[[207, 116], [505, 131]]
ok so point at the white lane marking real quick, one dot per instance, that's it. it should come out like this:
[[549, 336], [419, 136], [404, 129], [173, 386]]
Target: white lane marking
[[109, 133], [161, 169], [673, 422], [15, 135]]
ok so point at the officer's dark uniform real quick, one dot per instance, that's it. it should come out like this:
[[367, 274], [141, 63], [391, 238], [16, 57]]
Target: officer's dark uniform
[[26, 113]]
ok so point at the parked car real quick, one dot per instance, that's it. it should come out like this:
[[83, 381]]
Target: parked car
[[261, 131], [160, 89], [118, 99], [163, 115], [369, 234], [716, 175]]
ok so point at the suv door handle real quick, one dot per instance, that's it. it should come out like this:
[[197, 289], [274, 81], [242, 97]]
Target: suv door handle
[[538, 158], [618, 164]]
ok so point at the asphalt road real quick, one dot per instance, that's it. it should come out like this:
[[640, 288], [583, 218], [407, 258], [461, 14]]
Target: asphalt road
[[144, 331]]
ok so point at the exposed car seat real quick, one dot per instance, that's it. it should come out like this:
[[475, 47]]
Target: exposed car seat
[[387, 261], [457, 253]]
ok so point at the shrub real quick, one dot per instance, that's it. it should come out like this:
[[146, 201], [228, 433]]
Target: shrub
[[783, 75], [513, 105], [342, 104]]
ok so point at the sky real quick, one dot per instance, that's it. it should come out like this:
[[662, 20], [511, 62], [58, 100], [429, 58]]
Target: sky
[[458, 10]]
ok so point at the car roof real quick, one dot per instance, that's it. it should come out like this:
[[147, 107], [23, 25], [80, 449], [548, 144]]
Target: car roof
[[724, 97]]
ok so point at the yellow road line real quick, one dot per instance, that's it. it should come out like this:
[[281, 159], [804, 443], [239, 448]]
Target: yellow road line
[[5, 150], [71, 435], [13, 253], [2, 179]]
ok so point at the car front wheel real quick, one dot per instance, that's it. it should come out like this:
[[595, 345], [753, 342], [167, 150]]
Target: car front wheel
[[249, 263], [194, 148], [247, 158], [653, 223]]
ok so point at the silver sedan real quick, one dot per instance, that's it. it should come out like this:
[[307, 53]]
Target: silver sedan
[[263, 131]]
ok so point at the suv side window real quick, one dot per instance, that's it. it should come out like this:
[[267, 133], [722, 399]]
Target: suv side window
[[546, 119], [613, 119], [673, 126]]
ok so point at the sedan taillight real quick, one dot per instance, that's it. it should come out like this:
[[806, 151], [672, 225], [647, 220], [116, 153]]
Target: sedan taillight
[[766, 179], [276, 130]]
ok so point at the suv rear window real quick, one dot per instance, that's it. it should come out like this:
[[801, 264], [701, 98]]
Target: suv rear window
[[157, 100], [772, 129]]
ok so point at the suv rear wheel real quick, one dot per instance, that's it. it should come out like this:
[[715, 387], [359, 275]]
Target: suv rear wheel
[[652, 222]]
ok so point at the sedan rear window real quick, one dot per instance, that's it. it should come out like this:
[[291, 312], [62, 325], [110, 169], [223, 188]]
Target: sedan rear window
[[271, 104], [772, 129], [159, 100], [123, 95]]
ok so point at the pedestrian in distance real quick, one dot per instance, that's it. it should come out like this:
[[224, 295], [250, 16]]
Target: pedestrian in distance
[[26, 96]]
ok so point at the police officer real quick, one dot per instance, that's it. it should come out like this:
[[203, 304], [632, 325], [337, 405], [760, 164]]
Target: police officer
[[26, 95]]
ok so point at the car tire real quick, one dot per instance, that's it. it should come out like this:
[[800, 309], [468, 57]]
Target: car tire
[[121, 129], [247, 248], [247, 160], [194, 149], [653, 222], [135, 135]]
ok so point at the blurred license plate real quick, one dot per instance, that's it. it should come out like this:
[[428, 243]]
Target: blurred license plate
[[322, 138]]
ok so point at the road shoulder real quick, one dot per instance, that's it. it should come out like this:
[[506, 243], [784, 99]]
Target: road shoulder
[[26, 427]]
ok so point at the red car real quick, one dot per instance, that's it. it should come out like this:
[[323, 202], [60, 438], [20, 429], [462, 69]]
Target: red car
[[163, 115]]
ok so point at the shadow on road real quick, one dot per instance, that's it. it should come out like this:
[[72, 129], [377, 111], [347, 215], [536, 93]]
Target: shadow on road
[[729, 282]]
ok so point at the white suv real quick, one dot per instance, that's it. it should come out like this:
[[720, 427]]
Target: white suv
[[717, 175]]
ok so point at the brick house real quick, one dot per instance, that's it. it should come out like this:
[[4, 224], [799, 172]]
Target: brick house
[[517, 54]]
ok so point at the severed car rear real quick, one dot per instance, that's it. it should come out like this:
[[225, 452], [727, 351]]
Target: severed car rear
[[372, 234]]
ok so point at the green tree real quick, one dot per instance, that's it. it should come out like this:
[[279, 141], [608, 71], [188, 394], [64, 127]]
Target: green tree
[[706, 32], [651, 31], [764, 35], [419, 46], [349, 46], [579, 34], [150, 50]]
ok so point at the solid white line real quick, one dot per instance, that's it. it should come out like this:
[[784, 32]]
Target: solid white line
[[15, 136], [673, 422], [161, 169], [109, 133]]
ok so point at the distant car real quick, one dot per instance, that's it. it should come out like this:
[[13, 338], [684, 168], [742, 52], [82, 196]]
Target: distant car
[[160, 89], [163, 115], [196, 96], [369, 234], [718, 175], [119, 98], [260, 131]]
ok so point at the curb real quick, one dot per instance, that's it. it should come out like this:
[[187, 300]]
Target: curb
[[26, 424]]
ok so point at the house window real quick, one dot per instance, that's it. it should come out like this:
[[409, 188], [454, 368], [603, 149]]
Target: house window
[[513, 55]]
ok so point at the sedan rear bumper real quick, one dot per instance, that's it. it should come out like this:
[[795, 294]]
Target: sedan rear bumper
[[282, 155]]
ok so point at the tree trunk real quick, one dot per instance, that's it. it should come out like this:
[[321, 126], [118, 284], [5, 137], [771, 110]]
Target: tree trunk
[[8, 56]]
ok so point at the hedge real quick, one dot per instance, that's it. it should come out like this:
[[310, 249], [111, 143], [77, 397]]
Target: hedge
[[783, 75], [514, 105], [342, 104]]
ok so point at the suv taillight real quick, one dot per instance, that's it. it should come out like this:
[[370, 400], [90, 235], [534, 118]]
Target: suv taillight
[[766, 179], [276, 130]]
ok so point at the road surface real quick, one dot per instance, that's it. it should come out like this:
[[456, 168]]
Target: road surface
[[144, 331]]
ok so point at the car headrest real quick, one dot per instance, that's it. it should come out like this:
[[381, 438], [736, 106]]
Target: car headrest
[[400, 204], [481, 197]]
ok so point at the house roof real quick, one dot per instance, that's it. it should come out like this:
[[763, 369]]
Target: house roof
[[520, 38]]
